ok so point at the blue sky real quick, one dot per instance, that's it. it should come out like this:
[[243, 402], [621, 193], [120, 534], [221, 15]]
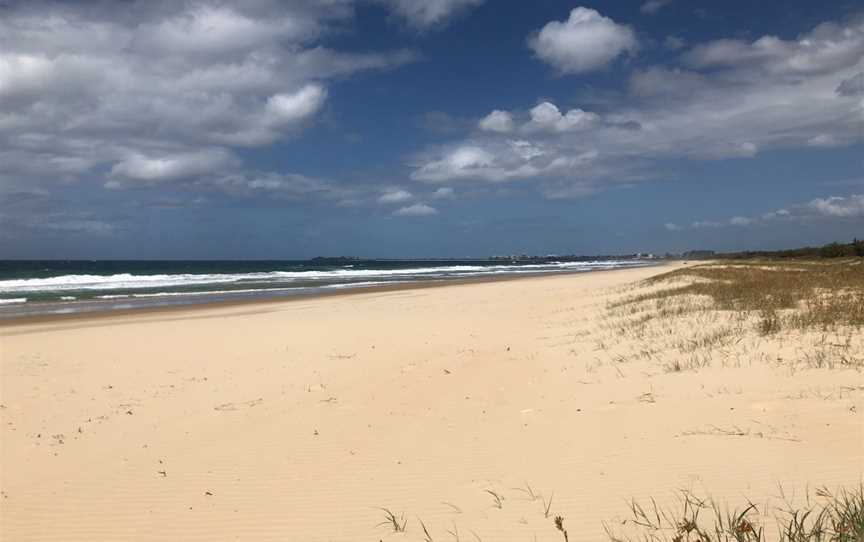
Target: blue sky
[[266, 129]]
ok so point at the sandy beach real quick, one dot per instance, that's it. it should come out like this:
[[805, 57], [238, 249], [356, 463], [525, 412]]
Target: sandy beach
[[465, 407]]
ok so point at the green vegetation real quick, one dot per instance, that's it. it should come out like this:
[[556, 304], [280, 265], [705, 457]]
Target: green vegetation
[[831, 250]]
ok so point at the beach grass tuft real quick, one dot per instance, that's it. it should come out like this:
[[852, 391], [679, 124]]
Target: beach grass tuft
[[426, 536], [498, 499], [547, 505], [831, 517], [559, 524], [396, 522]]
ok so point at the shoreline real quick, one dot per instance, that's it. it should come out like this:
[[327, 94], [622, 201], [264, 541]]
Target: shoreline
[[203, 304]]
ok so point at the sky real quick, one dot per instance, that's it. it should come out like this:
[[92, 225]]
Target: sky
[[269, 129]]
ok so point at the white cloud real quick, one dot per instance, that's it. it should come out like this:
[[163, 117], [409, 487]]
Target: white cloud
[[497, 162], [585, 41], [497, 121], [671, 226], [138, 167], [772, 215], [653, 6], [444, 192], [741, 221], [547, 116], [826, 48], [544, 117], [463, 161], [843, 207], [23, 73], [156, 91], [830, 208], [298, 106], [729, 110], [822, 140], [423, 14], [395, 195], [221, 29], [418, 209]]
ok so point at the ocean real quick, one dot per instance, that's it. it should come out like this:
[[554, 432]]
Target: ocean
[[31, 288]]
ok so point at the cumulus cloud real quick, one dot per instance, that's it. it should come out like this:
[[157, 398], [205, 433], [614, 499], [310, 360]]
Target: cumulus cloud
[[829, 208], [430, 13], [295, 107], [418, 209], [497, 121], [496, 162], [544, 117], [155, 92], [462, 161], [826, 48], [138, 167], [547, 116], [836, 206], [394, 195], [584, 42], [711, 106]]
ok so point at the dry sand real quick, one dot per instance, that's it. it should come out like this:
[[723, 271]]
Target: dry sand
[[295, 421]]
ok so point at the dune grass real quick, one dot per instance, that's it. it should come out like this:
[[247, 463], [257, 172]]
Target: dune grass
[[394, 521], [824, 516], [726, 312], [828, 517], [785, 295]]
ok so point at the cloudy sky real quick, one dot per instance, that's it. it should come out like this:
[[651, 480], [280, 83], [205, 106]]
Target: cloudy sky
[[287, 129]]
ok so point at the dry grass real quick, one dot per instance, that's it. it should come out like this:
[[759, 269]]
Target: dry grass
[[786, 295], [394, 521], [829, 517], [734, 312], [823, 516], [497, 498]]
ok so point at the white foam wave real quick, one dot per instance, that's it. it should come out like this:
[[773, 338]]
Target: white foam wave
[[127, 281], [13, 301], [240, 291]]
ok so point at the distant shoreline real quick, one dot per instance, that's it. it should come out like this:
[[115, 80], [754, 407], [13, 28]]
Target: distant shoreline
[[205, 302]]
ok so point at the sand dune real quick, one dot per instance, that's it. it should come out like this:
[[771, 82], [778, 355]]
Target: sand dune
[[299, 421]]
